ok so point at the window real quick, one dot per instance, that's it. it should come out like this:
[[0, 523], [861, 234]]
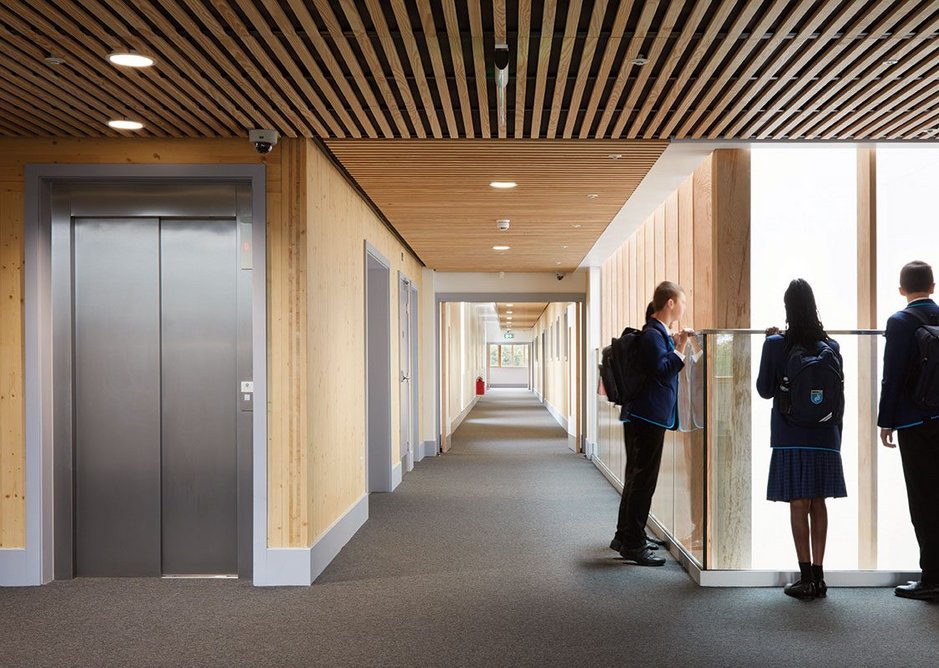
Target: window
[[513, 355]]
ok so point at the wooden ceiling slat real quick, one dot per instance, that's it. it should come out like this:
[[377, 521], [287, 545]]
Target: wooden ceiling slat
[[499, 29], [394, 62], [806, 48], [479, 65], [583, 70], [100, 74], [690, 94], [767, 16], [541, 67], [521, 66], [459, 67], [285, 25], [27, 124], [708, 36], [898, 125], [632, 52], [568, 43], [888, 108], [908, 51], [729, 105], [16, 103], [11, 129], [440, 74], [281, 91], [324, 8], [79, 22], [257, 91], [839, 72], [182, 57], [873, 101], [218, 120], [609, 55], [406, 30], [310, 97], [51, 94], [678, 51]]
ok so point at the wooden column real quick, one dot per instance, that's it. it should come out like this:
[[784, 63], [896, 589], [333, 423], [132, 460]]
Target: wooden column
[[721, 200], [867, 356]]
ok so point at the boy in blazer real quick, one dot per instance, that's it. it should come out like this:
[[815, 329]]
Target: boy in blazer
[[646, 419], [917, 430]]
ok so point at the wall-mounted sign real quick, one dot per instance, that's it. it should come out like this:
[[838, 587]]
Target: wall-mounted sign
[[510, 335]]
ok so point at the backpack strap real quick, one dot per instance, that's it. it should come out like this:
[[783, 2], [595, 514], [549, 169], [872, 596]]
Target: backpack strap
[[925, 319], [650, 325]]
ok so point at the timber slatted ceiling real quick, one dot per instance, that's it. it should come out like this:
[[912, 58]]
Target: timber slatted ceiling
[[767, 69], [437, 195], [524, 314]]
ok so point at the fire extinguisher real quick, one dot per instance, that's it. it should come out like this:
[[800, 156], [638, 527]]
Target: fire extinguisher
[[480, 386]]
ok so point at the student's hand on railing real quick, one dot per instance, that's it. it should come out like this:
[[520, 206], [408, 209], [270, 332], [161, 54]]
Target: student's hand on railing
[[680, 338], [886, 437], [770, 331], [693, 338]]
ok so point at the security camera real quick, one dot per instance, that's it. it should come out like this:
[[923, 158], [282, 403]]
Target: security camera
[[263, 140], [503, 224], [501, 59], [559, 276]]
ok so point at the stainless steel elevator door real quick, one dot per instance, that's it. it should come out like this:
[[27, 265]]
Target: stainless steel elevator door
[[156, 396], [117, 396], [199, 274]]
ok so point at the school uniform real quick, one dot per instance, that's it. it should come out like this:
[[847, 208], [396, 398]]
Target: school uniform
[[645, 421], [917, 433], [806, 461]]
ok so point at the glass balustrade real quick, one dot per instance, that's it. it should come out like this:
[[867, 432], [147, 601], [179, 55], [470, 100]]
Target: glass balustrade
[[711, 495]]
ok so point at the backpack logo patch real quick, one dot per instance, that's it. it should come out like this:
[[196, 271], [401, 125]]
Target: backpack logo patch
[[817, 396]]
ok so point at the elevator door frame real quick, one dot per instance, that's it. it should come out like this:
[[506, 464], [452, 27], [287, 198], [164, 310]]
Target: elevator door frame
[[35, 564]]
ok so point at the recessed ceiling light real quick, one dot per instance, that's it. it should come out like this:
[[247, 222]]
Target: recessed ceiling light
[[124, 124], [592, 196], [615, 156], [577, 225], [557, 263], [563, 246], [500, 248], [52, 59], [640, 61], [891, 61], [510, 304], [130, 59], [509, 312], [503, 185]]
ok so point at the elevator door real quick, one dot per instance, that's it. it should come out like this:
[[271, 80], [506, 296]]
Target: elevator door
[[156, 396]]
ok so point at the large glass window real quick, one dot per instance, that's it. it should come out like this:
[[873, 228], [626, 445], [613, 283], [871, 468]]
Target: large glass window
[[804, 225], [509, 356]]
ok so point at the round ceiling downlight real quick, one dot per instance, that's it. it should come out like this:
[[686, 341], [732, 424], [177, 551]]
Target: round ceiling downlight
[[124, 124], [130, 59]]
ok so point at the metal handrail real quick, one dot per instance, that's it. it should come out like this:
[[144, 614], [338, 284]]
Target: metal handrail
[[839, 332]]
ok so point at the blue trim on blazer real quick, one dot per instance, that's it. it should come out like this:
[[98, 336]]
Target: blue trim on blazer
[[658, 402], [897, 408]]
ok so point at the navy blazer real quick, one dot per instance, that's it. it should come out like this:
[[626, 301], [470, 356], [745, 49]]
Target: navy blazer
[[897, 408], [782, 433], [658, 402]]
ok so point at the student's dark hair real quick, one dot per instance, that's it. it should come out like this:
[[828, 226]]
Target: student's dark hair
[[804, 327], [916, 276], [663, 292], [650, 309]]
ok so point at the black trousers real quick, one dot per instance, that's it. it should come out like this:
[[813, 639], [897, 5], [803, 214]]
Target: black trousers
[[919, 452], [643, 456]]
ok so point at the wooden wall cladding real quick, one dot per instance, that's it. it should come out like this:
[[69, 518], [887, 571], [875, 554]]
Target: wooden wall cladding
[[857, 69]]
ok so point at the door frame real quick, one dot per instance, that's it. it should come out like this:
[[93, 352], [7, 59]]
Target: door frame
[[34, 564]]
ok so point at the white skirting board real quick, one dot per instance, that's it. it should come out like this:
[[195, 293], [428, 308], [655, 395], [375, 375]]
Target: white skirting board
[[425, 449], [300, 566], [14, 568], [556, 414], [458, 420], [396, 474]]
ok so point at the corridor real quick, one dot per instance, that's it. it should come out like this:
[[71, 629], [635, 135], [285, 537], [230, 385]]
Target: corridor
[[493, 554]]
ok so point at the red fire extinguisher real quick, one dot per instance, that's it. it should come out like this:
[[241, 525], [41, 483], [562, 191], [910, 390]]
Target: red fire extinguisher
[[480, 386]]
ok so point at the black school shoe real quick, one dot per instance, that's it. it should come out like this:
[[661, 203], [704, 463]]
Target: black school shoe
[[616, 544], [802, 590], [918, 590], [643, 556]]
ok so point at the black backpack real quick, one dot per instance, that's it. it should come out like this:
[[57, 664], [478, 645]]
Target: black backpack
[[812, 390], [924, 376], [620, 371]]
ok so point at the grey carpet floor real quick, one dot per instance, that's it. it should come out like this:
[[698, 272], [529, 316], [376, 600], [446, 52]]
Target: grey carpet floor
[[493, 554]]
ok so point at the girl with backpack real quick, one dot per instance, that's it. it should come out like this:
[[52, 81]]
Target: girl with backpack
[[801, 370]]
